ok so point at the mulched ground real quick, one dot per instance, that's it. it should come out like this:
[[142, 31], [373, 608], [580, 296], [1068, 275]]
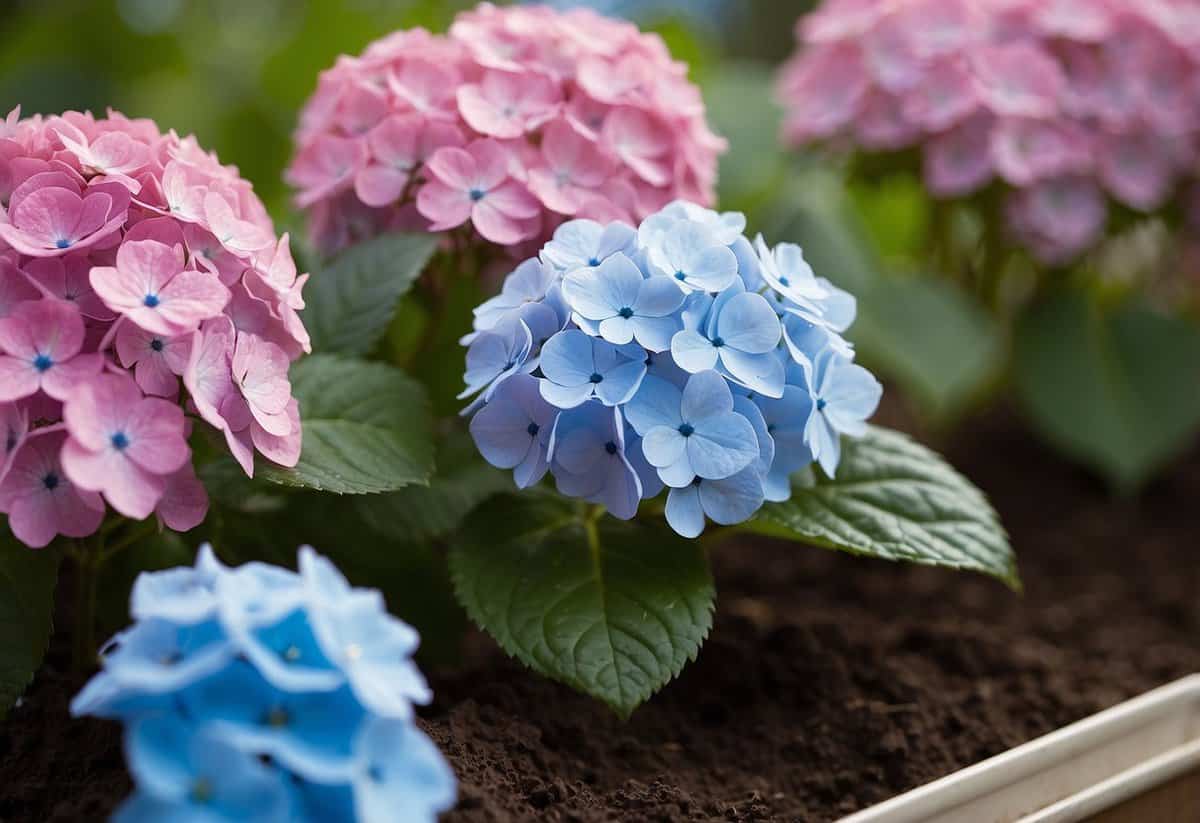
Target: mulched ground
[[829, 682]]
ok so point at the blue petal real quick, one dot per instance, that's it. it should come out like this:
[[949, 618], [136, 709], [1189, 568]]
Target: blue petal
[[620, 383], [766, 443], [663, 446], [647, 476], [693, 352], [684, 513], [656, 403], [852, 397], [749, 324], [723, 446], [734, 499], [617, 330], [567, 359], [705, 395], [762, 373], [565, 397], [501, 431], [658, 297], [622, 490], [712, 269], [678, 474], [654, 333], [401, 775]]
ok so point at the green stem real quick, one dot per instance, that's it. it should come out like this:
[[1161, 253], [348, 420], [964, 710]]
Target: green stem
[[87, 567]]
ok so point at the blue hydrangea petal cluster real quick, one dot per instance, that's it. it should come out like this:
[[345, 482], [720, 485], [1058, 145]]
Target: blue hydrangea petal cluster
[[260, 694], [677, 355]]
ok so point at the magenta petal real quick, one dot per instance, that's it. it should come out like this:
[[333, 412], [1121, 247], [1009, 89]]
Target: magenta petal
[[184, 502], [446, 207], [155, 429], [63, 378], [18, 379]]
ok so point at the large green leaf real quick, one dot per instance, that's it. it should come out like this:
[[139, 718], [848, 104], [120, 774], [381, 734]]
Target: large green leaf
[[351, 301], [367, 428], [612, 609], [1118, 389], [27, 578], [895, 499], [418, 513]]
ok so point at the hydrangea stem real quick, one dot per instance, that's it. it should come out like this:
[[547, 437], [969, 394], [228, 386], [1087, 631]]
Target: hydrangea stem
[[87, 555]]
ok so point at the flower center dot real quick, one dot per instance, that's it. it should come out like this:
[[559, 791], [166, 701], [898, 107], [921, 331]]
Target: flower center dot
[[717, 342], [783, 281], [291, 654], [156, 344], [277, 717], [120, 441], [476, 194], [150, 301], [62, 243], [626, 312], [593, 261], [596, 377], [696, 481], [202, 790], [610, 447], [680, 276], [375, 773], [50, 481], [533, 429], [42, 362], [686, 429], [821, 404], [770, 428]]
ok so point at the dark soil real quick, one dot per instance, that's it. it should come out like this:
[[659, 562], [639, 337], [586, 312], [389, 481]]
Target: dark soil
[[829, 682]]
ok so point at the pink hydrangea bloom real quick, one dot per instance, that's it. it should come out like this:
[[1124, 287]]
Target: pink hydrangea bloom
[[119, 247], [1072, 101], [561, 114], [40, 499]]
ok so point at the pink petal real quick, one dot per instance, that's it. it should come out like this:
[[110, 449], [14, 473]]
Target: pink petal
[[128, 488], [64, 377], [283, 450], [18, 379], [453, 167], [240, 446], [491, 163], [98, 408], [48, 216], [191, 298], [208, 377], [513, 199], [380, 186], [184, 502], [155, 428], [155, 379], [446, 207], [485, 117], [498, 227]]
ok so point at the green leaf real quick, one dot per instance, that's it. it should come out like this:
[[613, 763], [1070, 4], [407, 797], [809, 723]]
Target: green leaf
[[932, 337], [1114, 388], [895, 499], [612, 609], [367, 428], [351, 301], [740, 110], [419, 513], [27, 579]]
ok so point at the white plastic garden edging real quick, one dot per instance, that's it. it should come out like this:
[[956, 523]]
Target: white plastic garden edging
[[1069, 775]]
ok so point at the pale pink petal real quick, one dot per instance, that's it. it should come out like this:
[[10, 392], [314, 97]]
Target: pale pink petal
[[155, 428], [18, 379], [60, 380], [380, 186], [446, 207], [184, 502], [284, 450], [191, 298], [208, 376], [98, 408], [128, 488], [453, 167]]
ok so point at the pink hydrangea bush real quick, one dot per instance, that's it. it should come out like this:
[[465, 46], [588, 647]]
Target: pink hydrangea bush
[[142, 291], [516, 120], [1068, 105]]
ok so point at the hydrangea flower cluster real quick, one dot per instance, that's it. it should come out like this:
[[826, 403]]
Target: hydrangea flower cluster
[[1062, 101], [130, 261], [260, 694], [518, 119], [677, 354]]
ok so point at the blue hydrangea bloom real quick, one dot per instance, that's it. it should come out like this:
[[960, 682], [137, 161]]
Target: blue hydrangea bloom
[[260, 694], [617, 302], [578, 367], [678, 356]]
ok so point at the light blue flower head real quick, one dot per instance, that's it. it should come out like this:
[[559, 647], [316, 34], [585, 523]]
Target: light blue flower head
[[684, 358], [261, 694]]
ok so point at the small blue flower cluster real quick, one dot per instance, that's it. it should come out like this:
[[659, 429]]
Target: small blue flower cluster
[[260, 694], [677, 354]]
